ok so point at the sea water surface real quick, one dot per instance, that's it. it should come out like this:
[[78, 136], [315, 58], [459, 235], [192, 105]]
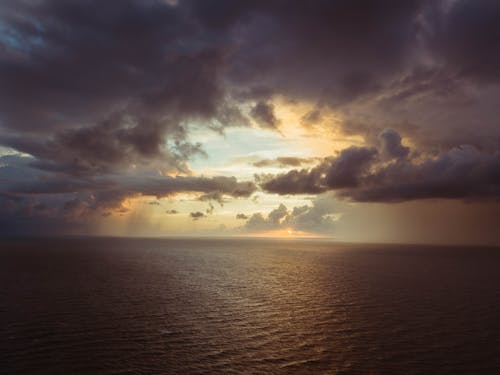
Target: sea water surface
[[151, 306]]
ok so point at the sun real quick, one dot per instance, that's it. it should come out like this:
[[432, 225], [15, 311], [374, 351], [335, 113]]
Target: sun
[[285, 233]]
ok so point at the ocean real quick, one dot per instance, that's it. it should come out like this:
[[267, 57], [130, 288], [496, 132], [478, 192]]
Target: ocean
[[195, 306]]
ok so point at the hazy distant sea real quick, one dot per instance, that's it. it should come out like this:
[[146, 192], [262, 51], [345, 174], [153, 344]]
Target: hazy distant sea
[[126, 306]]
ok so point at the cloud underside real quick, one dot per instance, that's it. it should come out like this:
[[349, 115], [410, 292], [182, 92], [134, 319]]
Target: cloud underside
[[29, 195], [390, 173], [100, 98]]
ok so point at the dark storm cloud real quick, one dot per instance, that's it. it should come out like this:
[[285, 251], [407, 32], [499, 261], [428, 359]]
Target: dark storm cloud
[[365, 174], [74, 64], [87, 86], [241, 216], [25, 190], [99, 95], [21, 217], [212, 196], [461, 173], [263, 114], [102, 96], [303, 181], [346, 170], [104, 148], [197, 215], [159, 186], [284, 161], [391, 146], [466, 37], [106, 194], [342, 171], [163, 186], [334, 50], [92, 56]]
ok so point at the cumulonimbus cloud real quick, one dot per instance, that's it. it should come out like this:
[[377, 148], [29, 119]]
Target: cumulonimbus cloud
[[102, 96], [387, 174]]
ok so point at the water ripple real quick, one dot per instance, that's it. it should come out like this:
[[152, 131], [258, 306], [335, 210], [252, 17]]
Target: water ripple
[[111, 306]]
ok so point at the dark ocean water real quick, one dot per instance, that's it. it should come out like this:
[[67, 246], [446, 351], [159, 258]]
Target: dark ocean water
[[122, 306]]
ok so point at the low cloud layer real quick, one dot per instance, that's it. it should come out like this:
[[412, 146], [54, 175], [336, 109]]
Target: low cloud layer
[[389, 173], [318, 218], [197, 215], [29, 194], [284, 162], [99, 100]]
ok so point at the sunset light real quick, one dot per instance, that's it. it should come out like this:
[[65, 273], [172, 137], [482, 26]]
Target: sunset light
[[249, 187], [285, 233]]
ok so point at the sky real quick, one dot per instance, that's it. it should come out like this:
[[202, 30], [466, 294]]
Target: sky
[[357, 120]]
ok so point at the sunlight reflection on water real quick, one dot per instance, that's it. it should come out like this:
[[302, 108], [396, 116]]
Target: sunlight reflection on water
[[156, 306]]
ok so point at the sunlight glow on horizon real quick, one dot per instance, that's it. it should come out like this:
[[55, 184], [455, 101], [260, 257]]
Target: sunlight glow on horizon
[[285, 233]]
